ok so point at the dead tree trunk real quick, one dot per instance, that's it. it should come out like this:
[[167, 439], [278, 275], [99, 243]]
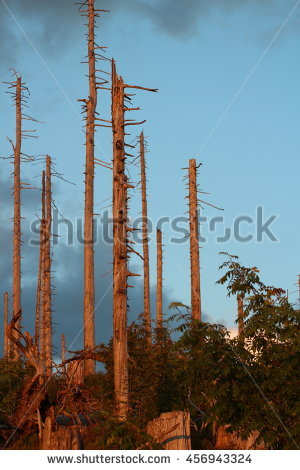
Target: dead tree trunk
[[17, 208], [147, 308], [120, 254], [38, 305], [20, 95], [89, 282], [159, 281], [5, 324], [39, 316], [40, 298], [63, 348], [47, 270], [240, 302], [194, 241], [120, 243]]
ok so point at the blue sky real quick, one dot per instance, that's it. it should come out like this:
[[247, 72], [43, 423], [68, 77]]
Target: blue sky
[[228, 96]]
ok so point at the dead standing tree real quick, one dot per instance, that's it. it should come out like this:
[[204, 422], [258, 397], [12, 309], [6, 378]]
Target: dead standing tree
[[47, 270], [16, 291], [90, 107], [120, 240], [89, 286], [194, 201], [63, 347], [120, 248], [147, 308], [43, 315], [194, 241], [19, 94], [39, 309], [159, 280]]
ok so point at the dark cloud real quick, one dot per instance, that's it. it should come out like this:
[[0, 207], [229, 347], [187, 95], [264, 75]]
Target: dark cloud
[[183, 18], [67, 270], [49, 22], [55, 22]]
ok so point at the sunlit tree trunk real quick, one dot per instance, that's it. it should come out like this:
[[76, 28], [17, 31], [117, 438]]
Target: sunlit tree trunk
[[159, 280], [119, 248], [17, 210], [147, 308], [47, 269], [40, 300], [89, 282], [194, 241]]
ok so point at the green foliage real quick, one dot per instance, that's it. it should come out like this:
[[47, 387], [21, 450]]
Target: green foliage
[[111, 434], [100, 385], [271, 367], [249, 383], [182, 315], [12, 378], [151, 372]]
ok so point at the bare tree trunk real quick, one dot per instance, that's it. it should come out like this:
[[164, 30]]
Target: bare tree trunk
[[240, 302], [120, 242], [159, 281], [40, 307], [147, 308], [89, 282], [5, 339], [39, 304], [63, 348], [120, 254], [17, 210], [194, 242], [47, 270]]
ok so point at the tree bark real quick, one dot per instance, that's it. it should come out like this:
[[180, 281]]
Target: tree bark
[[147, 307], [120, 254], [40, 306], [120, 241], [39, 316], [89, 282], [5, 324], [17, 211], [194, 242], [63, 348], [47, 270], [172, 430], [159, 281]]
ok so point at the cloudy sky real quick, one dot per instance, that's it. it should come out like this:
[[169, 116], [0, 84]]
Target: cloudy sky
[[228, 78]]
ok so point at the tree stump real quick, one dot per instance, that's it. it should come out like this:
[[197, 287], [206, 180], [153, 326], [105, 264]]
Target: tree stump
[[60, 437], [230, 440], [171, 430]]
